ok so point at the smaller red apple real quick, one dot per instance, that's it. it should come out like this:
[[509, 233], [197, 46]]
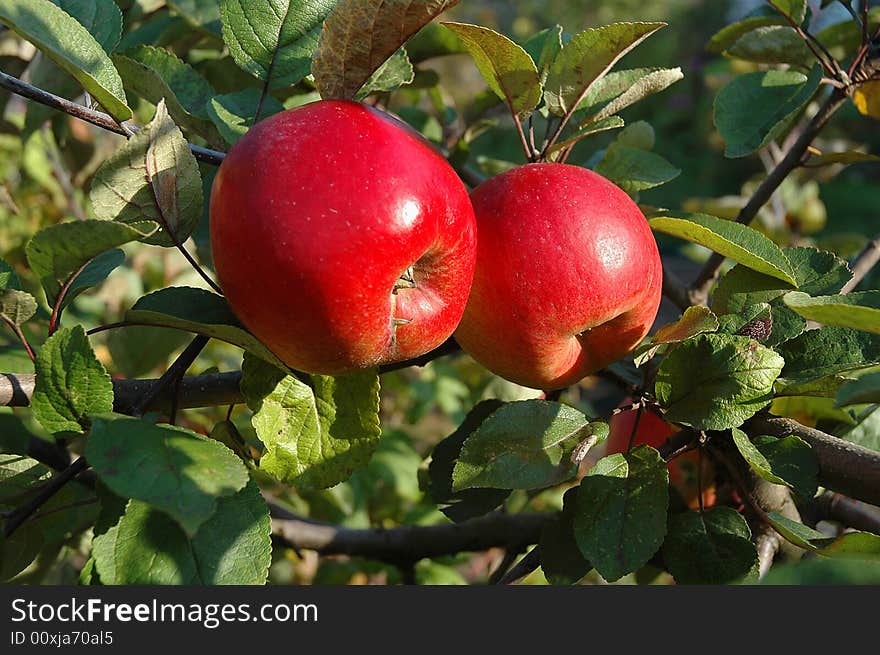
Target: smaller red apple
[[654, 431]]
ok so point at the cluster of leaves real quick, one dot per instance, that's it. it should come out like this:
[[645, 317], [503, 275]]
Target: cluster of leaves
[[176, 506]]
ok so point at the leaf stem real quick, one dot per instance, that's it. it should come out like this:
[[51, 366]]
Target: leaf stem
[[16, 329]]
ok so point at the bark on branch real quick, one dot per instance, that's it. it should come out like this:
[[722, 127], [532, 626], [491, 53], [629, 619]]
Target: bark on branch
[[843, 466], [411, 543]]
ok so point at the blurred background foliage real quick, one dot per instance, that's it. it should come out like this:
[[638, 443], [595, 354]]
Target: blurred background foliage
[[47, 161]]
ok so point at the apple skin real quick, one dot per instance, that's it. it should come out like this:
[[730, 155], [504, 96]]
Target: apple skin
[[654, 431], [568, 275], [316, 213]]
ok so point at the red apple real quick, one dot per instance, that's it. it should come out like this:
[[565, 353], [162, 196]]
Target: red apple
[[654, 431], [341, 238], [568, 275]]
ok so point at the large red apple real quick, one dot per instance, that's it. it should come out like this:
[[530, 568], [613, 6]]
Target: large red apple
[[341, 238], [568, 275], [654, 431]]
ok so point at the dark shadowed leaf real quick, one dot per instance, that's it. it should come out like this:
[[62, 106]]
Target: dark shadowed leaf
[[732, 382], [634, 169], [201, 14], [620, 517], [827, 351], [712, 547], [198, 311], [156, 73], [468, 503], [145, 546], [58, 252], [234, 113], [755, 108], [774, 44], [789, 461], [561, 560], [865, 389], [174, 470]]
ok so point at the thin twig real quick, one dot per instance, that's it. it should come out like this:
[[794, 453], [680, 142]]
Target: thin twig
[[97, 118], [863, 263], [16, 329], [21, 514], [524, 567], [172, 376]]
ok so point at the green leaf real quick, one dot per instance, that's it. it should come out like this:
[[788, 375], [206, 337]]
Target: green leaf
[[507, 68], [694, 321], [634, 170], [16, 306], [59, 252], [858, 545], [233, 113], [866, 389], [359, 35], [231, 547], [8, 277], [774, 44], [733, 381], [789, 461], [15, 436], [462, 505], [859, 310], [620, 517], [273, 40], [137, 351], [846, 158], [543, 47], [612, 123], [103, 20], [712, 547], [71, 383], [155, 73], [756, 108], [19, 550], [94, 273], [174, 470], [828, 351], [739, 242], [71, 46], [524, 445], [19, 476], [198, 311], [794, 9], [730, 34], [204, 15], [561, 560], [317, 433], [586, 58], [397, 71], [816, 272], [153, 176], [653, 81]]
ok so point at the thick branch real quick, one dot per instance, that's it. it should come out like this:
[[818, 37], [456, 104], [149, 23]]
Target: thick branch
[[849, 512], [100, 119], [411, 543], [700, 289], [843, 466]]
